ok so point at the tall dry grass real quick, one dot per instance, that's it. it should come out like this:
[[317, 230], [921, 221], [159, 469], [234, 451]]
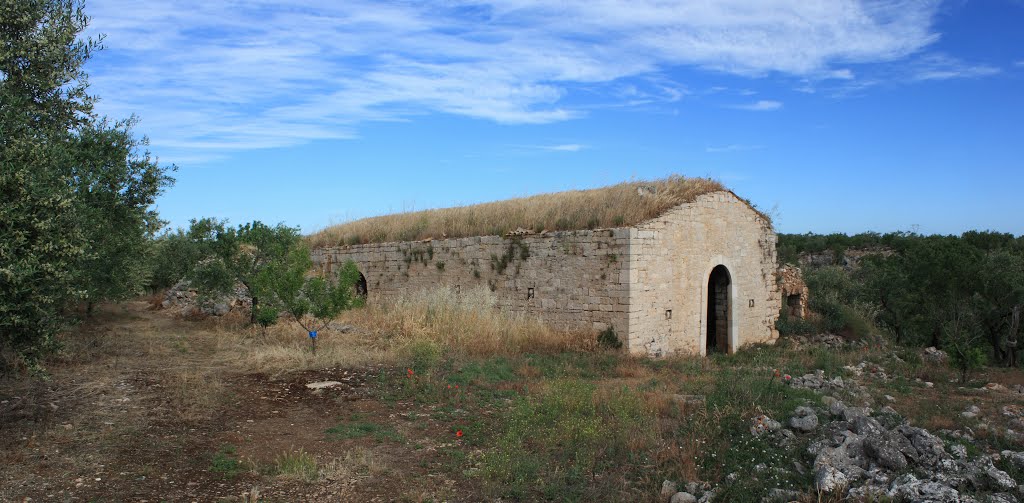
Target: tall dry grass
[[621, 205], [464, 324]]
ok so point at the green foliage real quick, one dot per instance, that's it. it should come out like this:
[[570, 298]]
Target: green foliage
[[76, 191], [266, 317], [787, 325], [240, 255], [225, 462], [910, 288], [425, 355], [311, 301], [355, 427], [554, 441], [176, 253], [115, 187], [962, 341], [608, 339]]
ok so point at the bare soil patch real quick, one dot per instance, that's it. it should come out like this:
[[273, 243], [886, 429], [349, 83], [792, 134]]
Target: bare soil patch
[[150, 411]]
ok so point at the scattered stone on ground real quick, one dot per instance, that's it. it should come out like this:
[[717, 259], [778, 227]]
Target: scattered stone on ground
[[323, 384], [971, 412], [683, 497], [668, 488], [935, 355], [804, 420]]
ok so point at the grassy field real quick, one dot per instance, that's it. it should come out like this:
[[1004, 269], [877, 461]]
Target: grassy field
[[619, 205], [440, 398]]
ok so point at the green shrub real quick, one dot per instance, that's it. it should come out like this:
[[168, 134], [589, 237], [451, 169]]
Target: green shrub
[[265, 317], [425, 355], [608, 339], [791, 325]]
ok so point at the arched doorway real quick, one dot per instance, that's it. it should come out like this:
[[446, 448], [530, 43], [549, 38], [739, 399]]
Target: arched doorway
[[361, 289], [719, 296]]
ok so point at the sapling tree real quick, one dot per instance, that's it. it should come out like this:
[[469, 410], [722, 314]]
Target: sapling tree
[[240, 255], [311, 300], [964, 343]]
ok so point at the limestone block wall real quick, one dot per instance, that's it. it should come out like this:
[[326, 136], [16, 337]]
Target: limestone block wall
[[671, 259], [793, 290], [575, 280]]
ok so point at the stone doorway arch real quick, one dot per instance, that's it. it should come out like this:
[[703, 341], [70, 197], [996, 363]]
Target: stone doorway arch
[[361, 288], [719, 311]]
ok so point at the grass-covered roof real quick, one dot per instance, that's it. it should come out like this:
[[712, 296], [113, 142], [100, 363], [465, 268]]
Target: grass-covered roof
[[622, 205]]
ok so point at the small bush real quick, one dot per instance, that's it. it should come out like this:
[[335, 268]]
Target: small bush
[[791, 325], [266, 317], [608, 339], [425, 355]]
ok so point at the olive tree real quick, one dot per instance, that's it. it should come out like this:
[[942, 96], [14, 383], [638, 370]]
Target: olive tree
[[76, 191]]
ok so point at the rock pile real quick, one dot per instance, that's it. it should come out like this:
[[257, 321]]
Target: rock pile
[[818, 382], [186, 298]]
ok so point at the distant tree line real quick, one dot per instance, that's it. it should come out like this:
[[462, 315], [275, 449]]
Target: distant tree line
[[960, 293]]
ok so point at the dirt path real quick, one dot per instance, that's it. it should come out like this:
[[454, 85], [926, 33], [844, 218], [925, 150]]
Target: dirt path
[[150, 409]]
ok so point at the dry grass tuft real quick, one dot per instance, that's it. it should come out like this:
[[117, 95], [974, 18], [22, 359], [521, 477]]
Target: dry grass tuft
[[466, 323], [621, 205], [286, 348], [194, 394], [358, 462]]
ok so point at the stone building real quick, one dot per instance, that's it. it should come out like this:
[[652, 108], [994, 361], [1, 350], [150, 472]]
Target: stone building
[[698, 277]]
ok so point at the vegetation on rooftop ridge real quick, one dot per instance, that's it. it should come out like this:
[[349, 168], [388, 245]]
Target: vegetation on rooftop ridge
[[621, 205]]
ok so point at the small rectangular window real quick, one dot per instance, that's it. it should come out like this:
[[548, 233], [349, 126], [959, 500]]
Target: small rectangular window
[[529, 293], [751, 302], [668, 314]]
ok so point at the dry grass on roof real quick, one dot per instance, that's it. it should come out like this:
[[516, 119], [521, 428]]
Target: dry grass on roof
[[621, 205]]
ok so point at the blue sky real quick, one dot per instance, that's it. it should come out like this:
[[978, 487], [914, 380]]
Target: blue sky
[[832, 115]]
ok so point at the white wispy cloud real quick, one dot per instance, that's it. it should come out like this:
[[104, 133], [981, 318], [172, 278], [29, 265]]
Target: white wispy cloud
[[759, 106], [943, 67], [212, 77], [567, 147], [732, 148]]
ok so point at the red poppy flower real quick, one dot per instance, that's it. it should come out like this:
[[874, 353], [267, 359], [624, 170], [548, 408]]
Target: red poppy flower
[[410, 372], [458, 433]]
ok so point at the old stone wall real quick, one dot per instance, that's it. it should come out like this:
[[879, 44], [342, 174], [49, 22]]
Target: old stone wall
[[793, 290], [649, 283], [670, 265], [572, 280]]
